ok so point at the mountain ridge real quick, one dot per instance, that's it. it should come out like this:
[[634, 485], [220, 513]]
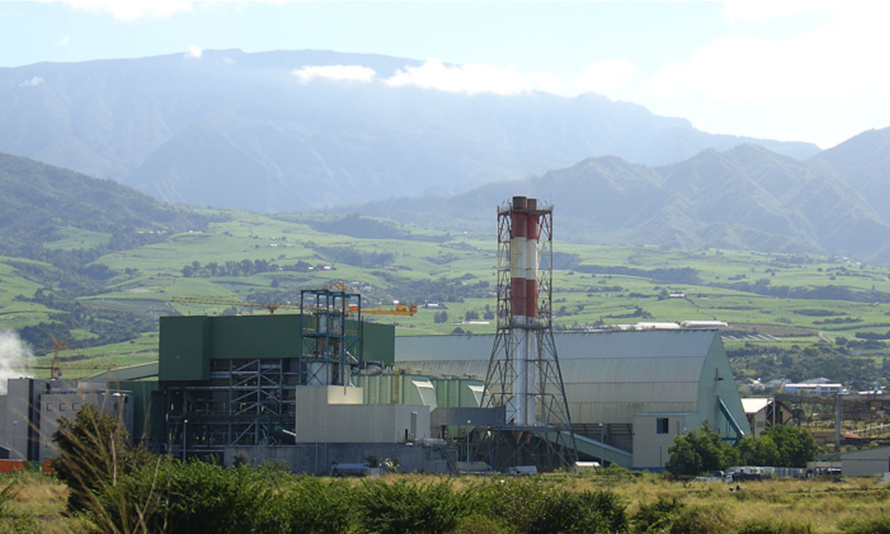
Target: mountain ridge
[[189, 130], [746, 198]]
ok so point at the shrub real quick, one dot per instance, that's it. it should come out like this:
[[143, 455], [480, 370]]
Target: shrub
[[18, 525], [533, 507], [876, 525], [480, 523], [10, 523], [763, 526], [658, 516], [309, 505], [169, 496], [93, 453], [217, 499], [699, 521], [404, 508], [699, 450]]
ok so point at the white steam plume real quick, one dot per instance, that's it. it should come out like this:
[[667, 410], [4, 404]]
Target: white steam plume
[[13, 352]]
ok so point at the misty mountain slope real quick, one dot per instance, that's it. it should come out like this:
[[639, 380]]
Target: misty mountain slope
[[747, 198], [863, 163], [243, 130], [40, 203]]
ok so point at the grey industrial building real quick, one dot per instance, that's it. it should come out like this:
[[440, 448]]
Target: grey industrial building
[[630, 393], [248, 385]]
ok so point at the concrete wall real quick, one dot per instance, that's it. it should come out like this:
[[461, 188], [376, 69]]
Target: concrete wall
[[866, 462], [318, 459], [17, 421], [65, 403], [330, 414], [650, 442], [33, 408]]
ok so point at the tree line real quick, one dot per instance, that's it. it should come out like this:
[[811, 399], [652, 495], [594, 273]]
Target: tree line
[[245, 267], [702, 450]]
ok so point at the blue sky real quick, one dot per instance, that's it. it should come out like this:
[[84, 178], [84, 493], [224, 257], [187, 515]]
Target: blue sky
[[783, 69]]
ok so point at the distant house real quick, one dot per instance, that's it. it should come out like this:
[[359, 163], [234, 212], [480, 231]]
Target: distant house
[[763, 412], [814, 389]]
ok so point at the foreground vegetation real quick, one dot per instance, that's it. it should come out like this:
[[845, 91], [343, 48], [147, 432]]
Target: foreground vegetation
[[200, 497], [105, 486]]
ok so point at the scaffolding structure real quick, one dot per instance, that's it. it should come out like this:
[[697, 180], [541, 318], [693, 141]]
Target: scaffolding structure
[[252, 400], [523, 375], [332, 350], [246, 402]]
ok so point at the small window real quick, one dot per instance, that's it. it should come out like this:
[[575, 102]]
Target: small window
[[49, 406], [74, 407], [61, 406], [661, 425]]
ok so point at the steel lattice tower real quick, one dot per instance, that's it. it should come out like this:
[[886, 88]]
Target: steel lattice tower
[[524, 376]]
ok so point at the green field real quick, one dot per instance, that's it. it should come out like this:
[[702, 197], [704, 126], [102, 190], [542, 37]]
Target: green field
[[769, 300]]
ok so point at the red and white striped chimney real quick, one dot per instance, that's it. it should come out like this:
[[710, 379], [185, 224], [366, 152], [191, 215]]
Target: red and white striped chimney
[[518, 259]]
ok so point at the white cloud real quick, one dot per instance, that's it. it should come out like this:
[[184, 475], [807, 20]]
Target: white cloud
[[762, 11], [549, 83], [194, 52], [63, 42], [351, 73], [33, 82], [132, 9], [470, 79], [836, 60], [608, 77]]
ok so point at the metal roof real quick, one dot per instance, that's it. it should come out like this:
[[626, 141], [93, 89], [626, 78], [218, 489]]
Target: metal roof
[[608, 376], [585, 357], [754, 404]]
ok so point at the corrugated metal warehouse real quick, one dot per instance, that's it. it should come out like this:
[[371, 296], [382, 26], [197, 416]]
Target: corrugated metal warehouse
[[633, 391]]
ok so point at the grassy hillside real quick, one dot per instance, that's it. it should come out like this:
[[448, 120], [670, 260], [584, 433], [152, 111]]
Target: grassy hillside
[[772, 302]]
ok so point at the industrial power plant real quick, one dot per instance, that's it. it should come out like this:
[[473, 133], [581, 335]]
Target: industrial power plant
[[324, 391]]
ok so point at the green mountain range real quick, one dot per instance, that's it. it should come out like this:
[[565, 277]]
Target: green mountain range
[[746, 198]]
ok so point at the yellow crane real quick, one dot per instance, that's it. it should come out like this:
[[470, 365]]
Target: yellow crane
[[237, 303], [398, 309], [55, 371]]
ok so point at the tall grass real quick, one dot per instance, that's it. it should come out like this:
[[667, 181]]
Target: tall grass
[[114, 489]]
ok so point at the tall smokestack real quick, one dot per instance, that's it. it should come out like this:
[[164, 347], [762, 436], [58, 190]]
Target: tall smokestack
[[531, 260], [523, 376], [518, 259]]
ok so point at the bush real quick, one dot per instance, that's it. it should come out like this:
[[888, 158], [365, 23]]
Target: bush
[[219, 500], [166, 495], [18, 525], [480, 523], [309, 505], [699, 521], [405, 508], [532, 507], [658, 516], [698, 451], [93, 453], [876, 525], [775, 527]]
